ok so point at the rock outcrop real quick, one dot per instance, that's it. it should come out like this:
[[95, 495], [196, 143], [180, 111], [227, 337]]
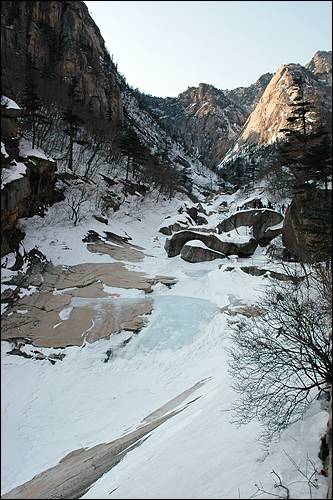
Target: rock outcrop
[[25, 197], [261, 220], [27, 181], [172, 228], [174, 245], [272, 111], [62, 41], [9, 118], [194, 252], [321, 65], [307, 228], [207, 120], [263, 127]]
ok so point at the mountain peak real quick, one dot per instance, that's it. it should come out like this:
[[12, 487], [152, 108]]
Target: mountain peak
[[321, 65]]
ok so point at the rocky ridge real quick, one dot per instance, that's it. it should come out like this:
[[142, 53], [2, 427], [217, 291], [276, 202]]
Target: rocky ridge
[[263, 127], [207, 120]]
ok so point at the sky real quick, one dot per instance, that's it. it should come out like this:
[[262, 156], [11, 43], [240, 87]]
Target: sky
[[164, 47]]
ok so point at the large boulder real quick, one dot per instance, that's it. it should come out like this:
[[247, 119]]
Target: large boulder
[[174, 245], [193, 212], [196, 251], [260, 219], [172, 228], [307, 228]]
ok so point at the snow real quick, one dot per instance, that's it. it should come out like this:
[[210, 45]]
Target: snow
[[276, 226], [24, 292], [9, 103], [181, 219], [185, 458], [196, 243], [25, 150], [65, 313], [201, 107], [51, 410], [240, 235], [3, 150], [16, 171], [121, 292]]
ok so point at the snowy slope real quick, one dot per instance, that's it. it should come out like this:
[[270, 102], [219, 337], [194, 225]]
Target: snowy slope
[[51, 410], [156, 138]]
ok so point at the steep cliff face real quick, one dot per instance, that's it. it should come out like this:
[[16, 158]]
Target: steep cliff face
[[258, 143], [207, 120], [62, 42], [163, 148], [263, 127], [248, 97], [272, 111]]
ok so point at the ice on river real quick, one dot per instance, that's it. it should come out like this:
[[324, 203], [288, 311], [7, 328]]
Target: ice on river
[[174, 323]]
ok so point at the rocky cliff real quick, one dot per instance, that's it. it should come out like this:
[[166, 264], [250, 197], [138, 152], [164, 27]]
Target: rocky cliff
[[60, 41], [272, 111], [207, 120], [53, 44], [307, 227], [263, 127], [28, 179], [321, 65]]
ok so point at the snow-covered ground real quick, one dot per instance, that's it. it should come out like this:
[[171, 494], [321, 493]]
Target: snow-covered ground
[[16, 170], [9, 103], [51, 410]]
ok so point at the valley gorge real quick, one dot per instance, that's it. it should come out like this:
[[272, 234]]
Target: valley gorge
[[142, 238]]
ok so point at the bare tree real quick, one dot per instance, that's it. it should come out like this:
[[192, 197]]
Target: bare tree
[[75, 198], [281, 360], [309, 476]]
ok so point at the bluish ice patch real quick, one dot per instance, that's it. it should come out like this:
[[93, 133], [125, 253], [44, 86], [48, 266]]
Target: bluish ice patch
[[174, 323]]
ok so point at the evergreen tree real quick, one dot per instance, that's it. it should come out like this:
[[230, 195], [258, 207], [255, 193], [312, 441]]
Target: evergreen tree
[[319, 157], [185, 178], [30, 101], [72, 121], [130, 145], [299, 109], [296, 150]]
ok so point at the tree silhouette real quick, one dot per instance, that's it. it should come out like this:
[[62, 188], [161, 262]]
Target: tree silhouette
[[30, 100], [72, 121], [295, 151]]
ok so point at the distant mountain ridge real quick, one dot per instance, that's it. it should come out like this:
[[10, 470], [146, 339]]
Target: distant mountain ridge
[[198, 129], [207, 120], [211, 122], [263, 126]]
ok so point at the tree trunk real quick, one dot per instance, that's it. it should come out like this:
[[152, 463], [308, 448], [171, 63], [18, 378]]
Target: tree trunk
[[70, 152]]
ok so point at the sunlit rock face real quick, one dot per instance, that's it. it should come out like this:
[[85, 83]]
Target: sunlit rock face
[[272, 111], [262, 130], [206, 119]]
